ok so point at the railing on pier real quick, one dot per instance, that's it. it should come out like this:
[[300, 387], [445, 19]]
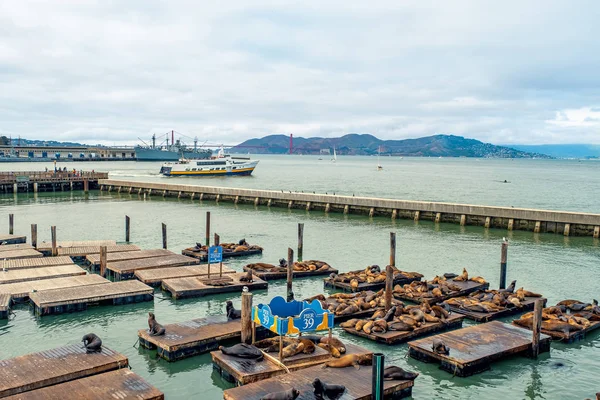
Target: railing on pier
[[50, 176]]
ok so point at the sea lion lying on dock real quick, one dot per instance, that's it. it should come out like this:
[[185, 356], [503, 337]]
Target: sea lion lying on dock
[[92, 343], [243, 350], [438, 346], [327, 391], [232, 313], [354, 360], [291, 346], [247, 277], [372, 274], [289, 394], [393, 373], [154, 328]]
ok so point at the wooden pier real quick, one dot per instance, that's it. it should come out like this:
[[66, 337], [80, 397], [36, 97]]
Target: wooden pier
[[50, 367], [474, 348], [454, 321], [528, 304], [357, 383], [466, 288], [5, 301], [17, 254], [274, 275], [121, 270], [12, 239], [122, 384], [21, 290], [25, 263], [94, 259], [49, 181], [47, 246], [32, 274], [242, 372], [201, 255], [155, 277], [399, 279], [18, 246], [84, 251], [72, 299], [198, 287]]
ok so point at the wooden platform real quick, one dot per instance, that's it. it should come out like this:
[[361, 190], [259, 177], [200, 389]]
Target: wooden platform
[[51, 367], [357, 383], [242, 372], [19, 246], [12, 239], [94, 259], [32, 274], [194, 286], [23, 253], [454, 321], [25, 263], [21, 290], [467, 287], [121, 270], [122, 384], [154, 277], [571, 336], [528, 304], [78, 298], [82, 252], [201, 255], [5, 301], [345, 286], [47, 246], [474, 348], [270, 276]]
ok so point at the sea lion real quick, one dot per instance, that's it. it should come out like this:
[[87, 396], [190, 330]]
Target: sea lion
[[327, 391], [247, 277], [319, 297], [154, 327], [478, 279], [351, 309], [350, 323], [399, 326], [335, 343], [92, 343], [367, 327], [243, 350], [316, 339], [390, 314], [232, 313], [292, 349], [510, 288], [450, 275], [289, 394], [354, 360], [462, 277], [308, 345], [393, 373], [359, 325], [439, 347], [332, 350]]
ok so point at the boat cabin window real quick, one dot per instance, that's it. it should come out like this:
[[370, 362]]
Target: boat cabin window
[[194, 169]]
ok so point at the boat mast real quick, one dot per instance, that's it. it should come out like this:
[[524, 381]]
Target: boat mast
[[153, 140]]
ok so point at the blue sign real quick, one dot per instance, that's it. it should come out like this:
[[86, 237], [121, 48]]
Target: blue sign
[[215, 254]]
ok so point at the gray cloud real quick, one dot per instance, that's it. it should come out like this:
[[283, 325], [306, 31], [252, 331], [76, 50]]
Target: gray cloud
[[110, 71]]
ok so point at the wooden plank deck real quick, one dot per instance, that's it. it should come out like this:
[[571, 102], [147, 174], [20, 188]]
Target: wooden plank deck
[[83, 251], [32, 274], [466, 286], [357, 383], [344, 286], [94, 259], [21, 290], [242, 372], [58, 301], [270, 276], [19, 246], [194, 286], [47, 246], [12, 239], [16, 254], [54, 366], [122, 384], [126, 269], [392, 337], [24, 263], [472, 349], [201, 255], [528, 304], [5, 301], [154, 277]]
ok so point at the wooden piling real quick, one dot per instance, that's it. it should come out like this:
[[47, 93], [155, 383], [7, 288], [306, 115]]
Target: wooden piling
[[393, 249], [503, 260], [164, 235], [463, 220], [371, 212], [389, 286], [596, 232], [346, 209], [53, 233], [567, 229], [217, 243], [290, 274], [511, 223], [256, 200], [207, 229], [327, 207], [11, 224], [103, 260], [537, 327], [290, 204], [394, 213], [246, 317], [538, 225], [438, 217], [417, 215], [308, 206], [34, 235], [127, 226], [300, 240]]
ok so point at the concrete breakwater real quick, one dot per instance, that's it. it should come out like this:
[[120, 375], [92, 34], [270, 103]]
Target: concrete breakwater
[[561, 222]]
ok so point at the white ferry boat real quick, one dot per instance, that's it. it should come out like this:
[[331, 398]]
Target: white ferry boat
[[222, 164]]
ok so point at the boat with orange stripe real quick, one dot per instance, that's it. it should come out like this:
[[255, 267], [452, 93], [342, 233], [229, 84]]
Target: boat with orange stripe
[[223, 164]]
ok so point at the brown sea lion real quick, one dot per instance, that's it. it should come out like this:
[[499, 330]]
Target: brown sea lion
[[417, 314], [92, 343], [568, 302], [430, 318], [526, 293], [334, 342], [462, 277], [332, 350], [319, 297], [261, 344], [398, 374], [247, 277], [292, 349], [354, 360], [439, 347], [309, 346], [510, 288], [367, 327], [324, 390], [232, 313], [437, 292], [350, 323], [478, 279], [400, 326], [351, 309], [379, 326], [409, 321], [290, 394], [390, 314], [378, 314], [154, 328]]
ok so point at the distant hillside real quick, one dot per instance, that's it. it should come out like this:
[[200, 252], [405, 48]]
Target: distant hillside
[[26, 142], [563, 150], [364, 144]]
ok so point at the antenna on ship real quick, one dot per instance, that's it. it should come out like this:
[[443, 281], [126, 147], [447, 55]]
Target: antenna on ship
[[153, 140], [195, 144]]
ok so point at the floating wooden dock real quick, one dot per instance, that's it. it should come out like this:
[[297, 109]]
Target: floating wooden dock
[[571, 336], [59, 301], [25, 263], [16, 254], [5, 301], [474, 348], [346, 287], [270, 276], [189, 338], [32, 274], [19, 246], [154, 277], [94, 259], [454, 321], [198, 287], [12, 239], [122, 384], [357, 383], [528, 304], [50, 367], [82, 252], [201, 255], [47, 246], [242, 371], [466, 288], [21, 290], [126, 269]]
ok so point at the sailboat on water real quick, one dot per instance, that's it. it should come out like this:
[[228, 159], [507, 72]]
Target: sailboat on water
[[379, 167], [334, 159]]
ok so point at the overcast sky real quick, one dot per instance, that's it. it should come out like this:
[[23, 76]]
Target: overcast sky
[[225, 71]]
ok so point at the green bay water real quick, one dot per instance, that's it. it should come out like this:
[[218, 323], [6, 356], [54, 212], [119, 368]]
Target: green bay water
[[556, 266]]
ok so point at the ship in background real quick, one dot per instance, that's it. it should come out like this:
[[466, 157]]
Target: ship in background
[[172, 151]]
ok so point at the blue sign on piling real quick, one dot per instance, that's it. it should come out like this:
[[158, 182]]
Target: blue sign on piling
[[215, 254]]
